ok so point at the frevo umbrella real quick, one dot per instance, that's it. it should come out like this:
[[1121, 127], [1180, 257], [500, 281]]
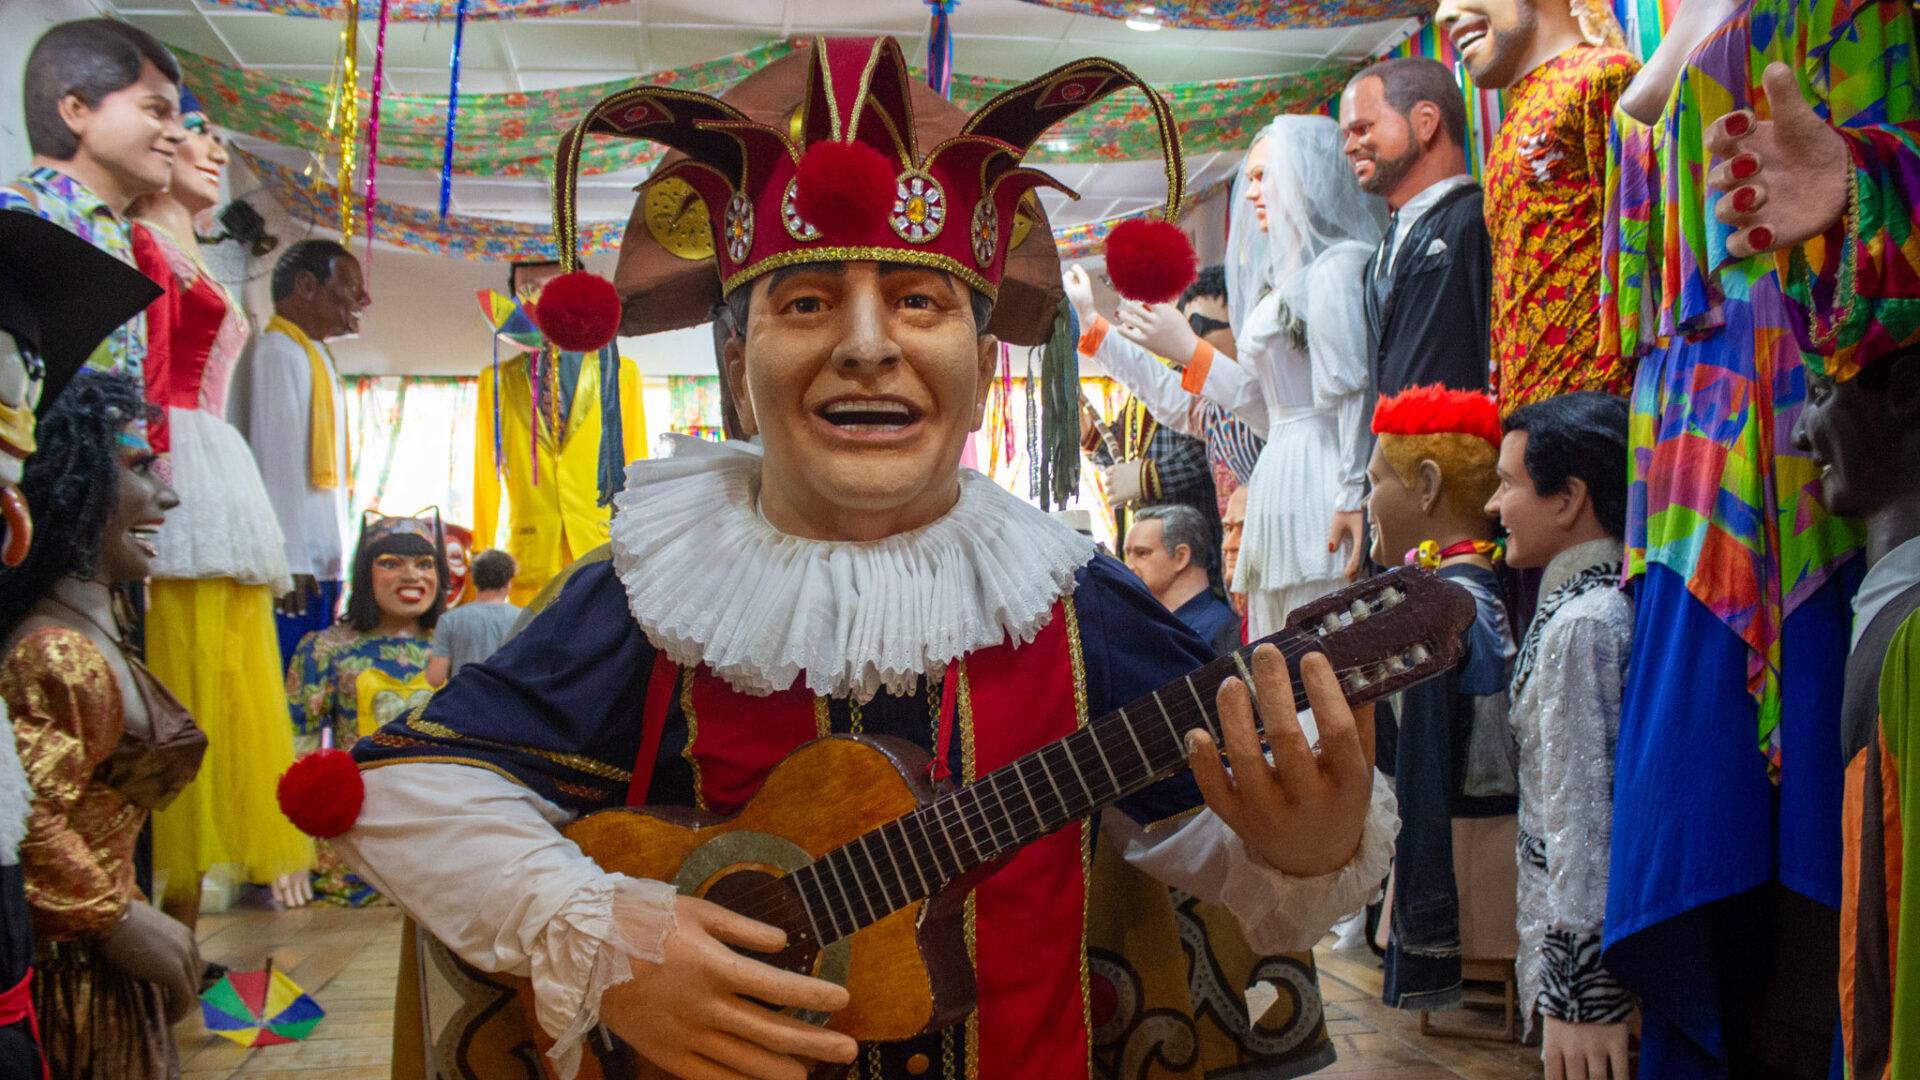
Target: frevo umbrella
[[259, 1008]]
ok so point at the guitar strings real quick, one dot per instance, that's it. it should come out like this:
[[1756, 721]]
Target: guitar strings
[[951, 808]]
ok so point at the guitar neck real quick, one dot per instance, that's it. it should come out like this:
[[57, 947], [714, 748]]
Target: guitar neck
[[1122, 753]]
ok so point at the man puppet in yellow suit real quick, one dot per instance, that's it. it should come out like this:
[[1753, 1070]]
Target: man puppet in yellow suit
[[558, 519]]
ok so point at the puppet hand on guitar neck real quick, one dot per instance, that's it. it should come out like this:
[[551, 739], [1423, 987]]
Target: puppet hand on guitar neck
[[1302, 813]]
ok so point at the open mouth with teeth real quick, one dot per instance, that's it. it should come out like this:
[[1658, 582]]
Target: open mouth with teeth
[[410, 594], [143, 536], [869, 416], [1468, 33]]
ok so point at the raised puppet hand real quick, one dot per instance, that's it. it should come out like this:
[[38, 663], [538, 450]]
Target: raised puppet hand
[[1786, 178], [1080, 293], [1304, 812], [153, 947], [690, 1013], [1583, 1051], [1158, 328]]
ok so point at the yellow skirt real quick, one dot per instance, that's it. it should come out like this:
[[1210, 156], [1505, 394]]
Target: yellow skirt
[[212, 643]]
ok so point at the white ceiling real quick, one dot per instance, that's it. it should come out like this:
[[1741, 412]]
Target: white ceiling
[[998, 38]]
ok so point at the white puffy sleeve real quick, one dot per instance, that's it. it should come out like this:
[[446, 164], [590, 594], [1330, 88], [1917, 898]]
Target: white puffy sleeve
[[1278, 913], [1337, 347], [1153, 382], [541, 908]]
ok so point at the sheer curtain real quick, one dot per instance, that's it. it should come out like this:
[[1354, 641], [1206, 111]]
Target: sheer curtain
[[412, 442]]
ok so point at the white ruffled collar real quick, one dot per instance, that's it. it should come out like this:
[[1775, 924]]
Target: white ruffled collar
[[711, 582]]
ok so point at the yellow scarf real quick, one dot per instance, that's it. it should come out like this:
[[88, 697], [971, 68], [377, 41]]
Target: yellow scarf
[[323, 460]]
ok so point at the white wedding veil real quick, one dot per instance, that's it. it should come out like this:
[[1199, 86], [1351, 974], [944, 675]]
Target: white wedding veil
[[1313, 203]]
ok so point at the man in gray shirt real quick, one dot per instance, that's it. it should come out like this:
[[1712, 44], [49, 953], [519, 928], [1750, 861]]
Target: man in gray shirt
[[469, 633]]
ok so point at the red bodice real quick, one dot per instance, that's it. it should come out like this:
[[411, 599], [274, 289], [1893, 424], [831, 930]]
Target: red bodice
[[184, 333]]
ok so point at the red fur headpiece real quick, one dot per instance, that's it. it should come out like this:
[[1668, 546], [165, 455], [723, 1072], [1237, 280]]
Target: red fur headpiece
[[1436, 410]]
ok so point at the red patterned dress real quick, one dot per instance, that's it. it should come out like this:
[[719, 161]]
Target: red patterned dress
[[1546, 205]]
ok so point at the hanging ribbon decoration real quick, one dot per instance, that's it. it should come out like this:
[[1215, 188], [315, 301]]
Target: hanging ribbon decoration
[[940, 47], [373, 126], [453, 107], [343, 119]]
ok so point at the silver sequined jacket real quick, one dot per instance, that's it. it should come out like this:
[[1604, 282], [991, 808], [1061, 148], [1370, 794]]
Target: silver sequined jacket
[[1567, 686]]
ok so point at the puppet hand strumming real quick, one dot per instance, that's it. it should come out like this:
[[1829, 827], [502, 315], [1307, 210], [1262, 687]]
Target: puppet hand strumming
[[1303, 812], [1080, 294], [690, 1013], [1785, 179], [1158, 328]]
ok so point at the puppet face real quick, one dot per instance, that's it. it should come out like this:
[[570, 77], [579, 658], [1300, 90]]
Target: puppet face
[[458, 566], [1379, 140], [198, 165], [133, 134], [862, 380], [127, 544], [20, 378], [1532, 520], [340, 300], [1233, 525], [1147, 556], [1846, 429], [1254, 173], [1399, 523], [403, 585], [1491, 36]]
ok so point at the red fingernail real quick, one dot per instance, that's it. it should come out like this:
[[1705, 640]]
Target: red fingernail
[[1744, 199], [1744, 166], [1760, 237], [1738, 124]]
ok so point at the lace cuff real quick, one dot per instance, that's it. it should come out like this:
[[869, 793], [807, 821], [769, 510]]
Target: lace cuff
[[1299, 911], [584, 951], [1573, 985]]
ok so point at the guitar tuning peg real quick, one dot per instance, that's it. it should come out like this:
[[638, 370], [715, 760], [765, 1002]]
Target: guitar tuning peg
[[1360, 609], [1419, 654]]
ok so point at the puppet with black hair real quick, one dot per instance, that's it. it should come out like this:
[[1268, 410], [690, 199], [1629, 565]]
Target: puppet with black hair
[[102, 102], [370, 667], [59, 296], [1431, 472], [296, 422], [1562, 498], [102, 741]]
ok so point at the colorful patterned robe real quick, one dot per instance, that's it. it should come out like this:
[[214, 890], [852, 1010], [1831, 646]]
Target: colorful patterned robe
[[1544, 204]]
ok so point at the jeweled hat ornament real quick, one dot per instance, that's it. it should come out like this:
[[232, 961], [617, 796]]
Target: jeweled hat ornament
[[849, 181]]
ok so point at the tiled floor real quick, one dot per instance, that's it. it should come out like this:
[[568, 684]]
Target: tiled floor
[[347, 961]]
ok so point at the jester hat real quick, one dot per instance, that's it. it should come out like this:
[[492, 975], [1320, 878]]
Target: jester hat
[[848, 178]]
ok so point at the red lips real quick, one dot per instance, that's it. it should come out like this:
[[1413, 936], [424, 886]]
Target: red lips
[[13, 509]]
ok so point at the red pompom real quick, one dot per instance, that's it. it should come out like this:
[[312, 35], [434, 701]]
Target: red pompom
[[1437, 410], [843, 188], [578, 312], [1150, 261], [321, 794]]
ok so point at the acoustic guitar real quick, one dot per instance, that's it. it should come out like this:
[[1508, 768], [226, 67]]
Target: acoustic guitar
[[868, 876]]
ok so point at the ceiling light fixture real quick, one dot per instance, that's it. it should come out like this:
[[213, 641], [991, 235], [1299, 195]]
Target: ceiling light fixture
[[1144, 20]]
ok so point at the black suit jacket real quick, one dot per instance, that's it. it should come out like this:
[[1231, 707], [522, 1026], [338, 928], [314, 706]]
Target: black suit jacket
[[1429, 325]]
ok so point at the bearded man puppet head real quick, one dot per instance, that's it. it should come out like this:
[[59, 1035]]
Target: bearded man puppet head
[[1500, 40]]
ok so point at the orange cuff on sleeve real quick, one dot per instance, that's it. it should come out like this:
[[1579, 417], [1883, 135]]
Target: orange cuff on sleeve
[[1093, 335], [1195, 375]]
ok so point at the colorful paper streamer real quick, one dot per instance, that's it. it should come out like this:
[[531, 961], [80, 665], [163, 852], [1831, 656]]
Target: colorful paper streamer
[[424, 10], [453, 105], [1246, 14]]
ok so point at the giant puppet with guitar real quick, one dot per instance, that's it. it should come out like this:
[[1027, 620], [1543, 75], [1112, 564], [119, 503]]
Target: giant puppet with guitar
[[871, 717]]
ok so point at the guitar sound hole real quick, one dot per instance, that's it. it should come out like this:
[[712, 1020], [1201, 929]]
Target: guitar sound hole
[[763, 897]]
